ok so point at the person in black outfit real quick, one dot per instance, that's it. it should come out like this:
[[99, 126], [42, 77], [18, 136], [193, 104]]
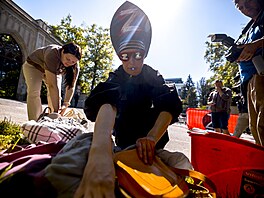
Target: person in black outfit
[[134, 104]]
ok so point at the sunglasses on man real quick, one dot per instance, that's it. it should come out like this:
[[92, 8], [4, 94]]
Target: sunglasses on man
[[125, 56]]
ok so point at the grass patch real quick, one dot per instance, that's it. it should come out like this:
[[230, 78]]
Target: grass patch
[[11, 134]]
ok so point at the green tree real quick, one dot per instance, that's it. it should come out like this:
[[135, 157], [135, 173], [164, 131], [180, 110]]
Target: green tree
[[192, 98], [188, 95], [222, 69], [66, 32], [99, 55], [203, 88], [97, 58]]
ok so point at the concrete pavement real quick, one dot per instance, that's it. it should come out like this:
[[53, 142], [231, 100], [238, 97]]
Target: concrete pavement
[[13, 110], [16, 111]]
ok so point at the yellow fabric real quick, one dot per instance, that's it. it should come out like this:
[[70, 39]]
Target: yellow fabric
[[153, 184], [156, 179]]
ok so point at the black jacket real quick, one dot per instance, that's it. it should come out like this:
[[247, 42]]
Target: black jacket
[[138, 99]]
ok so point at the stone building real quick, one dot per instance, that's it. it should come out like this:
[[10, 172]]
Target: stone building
[[20, 34]]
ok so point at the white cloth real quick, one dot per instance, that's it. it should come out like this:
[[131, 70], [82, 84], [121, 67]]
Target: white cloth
[[66, 169]]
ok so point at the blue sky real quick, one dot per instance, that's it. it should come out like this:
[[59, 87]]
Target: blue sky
[[179, 27]]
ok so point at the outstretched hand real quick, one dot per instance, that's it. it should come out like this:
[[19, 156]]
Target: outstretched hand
[[146, 149]]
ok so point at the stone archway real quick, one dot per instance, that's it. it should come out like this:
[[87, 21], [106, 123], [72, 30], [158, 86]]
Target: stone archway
[[11, 59], [27, 35]]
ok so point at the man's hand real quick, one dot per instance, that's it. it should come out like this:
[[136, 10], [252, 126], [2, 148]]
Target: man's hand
[[248, 51], [219, 89], [146, 149], [98, 179]]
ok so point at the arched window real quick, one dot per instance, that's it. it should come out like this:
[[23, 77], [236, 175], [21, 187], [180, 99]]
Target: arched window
[[10, 66]]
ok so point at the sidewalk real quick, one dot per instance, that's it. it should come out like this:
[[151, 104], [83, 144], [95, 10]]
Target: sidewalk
[[16, 111], [13, 110]]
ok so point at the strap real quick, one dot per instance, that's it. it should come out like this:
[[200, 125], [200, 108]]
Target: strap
[[196, 175], [44, 113]]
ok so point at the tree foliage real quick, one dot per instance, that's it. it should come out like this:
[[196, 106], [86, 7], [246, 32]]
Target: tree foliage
[[66, 32], [97, 51], [203, 88], [215, 55], [222, 69], [99, 55], [188, 94]]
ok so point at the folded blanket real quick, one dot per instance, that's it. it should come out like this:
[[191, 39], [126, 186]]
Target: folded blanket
[[52, 130]]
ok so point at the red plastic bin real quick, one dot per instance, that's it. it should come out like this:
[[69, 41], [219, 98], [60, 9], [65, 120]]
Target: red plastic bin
[[195, 119], [224, 158]]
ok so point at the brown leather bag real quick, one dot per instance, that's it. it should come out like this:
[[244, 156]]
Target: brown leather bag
[[138, 180]]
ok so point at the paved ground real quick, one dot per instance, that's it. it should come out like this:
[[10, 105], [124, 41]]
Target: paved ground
[[13, 110], [179, 138], [16, 111]]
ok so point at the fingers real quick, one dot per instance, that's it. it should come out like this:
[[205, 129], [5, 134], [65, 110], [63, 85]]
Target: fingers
[[245, 56], [146, 149], [62, 112], [247, 53], [240, 46], [63, 109], [150, 152]]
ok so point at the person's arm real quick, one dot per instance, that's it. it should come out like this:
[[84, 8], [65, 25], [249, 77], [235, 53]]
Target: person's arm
[[53, 88], [146, 146], [99, 175], [69, 94], [67, 99], [210, 100], [220, 91], [227, 95]]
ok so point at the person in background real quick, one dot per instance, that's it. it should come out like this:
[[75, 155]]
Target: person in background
[[242, 124], [252, 57], [49, 64], [243, 120], [219, 101]]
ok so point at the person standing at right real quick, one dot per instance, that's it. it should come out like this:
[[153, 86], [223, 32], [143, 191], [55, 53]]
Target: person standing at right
[[252, 47], [219, 101]]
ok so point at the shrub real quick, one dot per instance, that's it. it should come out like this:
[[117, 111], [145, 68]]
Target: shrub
[[10, 134]]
